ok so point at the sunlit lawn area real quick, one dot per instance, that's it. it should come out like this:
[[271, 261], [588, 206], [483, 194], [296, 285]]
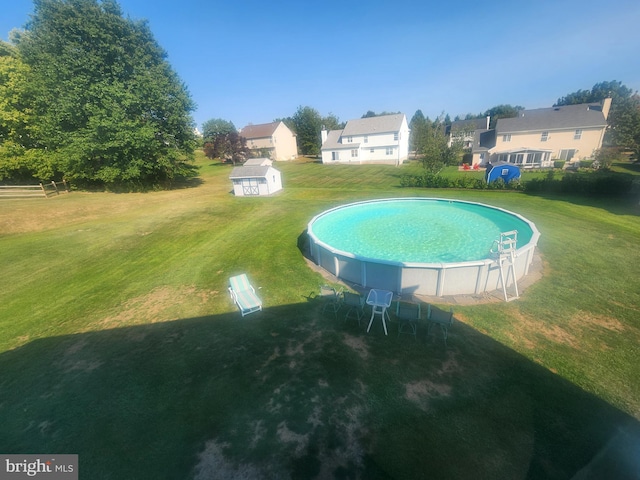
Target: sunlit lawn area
[[118, 342]]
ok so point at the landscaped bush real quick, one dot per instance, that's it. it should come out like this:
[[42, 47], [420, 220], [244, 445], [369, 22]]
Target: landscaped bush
[[432, 180], [586, 163], [586, 183], [558, 163]]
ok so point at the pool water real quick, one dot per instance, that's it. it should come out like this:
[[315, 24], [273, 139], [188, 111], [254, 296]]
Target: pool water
[[417, 230]]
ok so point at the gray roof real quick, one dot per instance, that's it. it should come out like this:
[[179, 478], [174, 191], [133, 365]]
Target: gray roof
[[262, 130], [383, 124], [585, 115], [249, 172], [470, 124], [333, 141], [258, 162]]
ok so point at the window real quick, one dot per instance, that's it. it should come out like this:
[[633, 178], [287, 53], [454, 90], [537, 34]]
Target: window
[[534, 158], [503, 157], [567, 154], [366, 139], [354, 153], [518, 158], [544, 137], [349, 139], [335, 156], [389, 150], [395, 137], [578, 134], [506, 137], [372, 150]]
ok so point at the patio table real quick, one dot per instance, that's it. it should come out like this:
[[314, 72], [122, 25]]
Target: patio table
[[380, 301]]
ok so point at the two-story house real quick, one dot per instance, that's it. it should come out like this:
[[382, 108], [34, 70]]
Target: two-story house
[[463, 131], [274, 139], [536, 137], [383, 139]]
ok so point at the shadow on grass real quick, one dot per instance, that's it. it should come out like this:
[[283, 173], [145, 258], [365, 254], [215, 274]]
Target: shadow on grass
[[290, 393]]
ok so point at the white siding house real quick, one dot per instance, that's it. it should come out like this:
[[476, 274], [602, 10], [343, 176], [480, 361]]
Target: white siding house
[[383, 139], [256, 177]]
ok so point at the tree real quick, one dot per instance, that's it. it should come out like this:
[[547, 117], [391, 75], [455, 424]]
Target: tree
[[108, 109], [307, 123], [431, 143], [19, 160], [501, 111], [371, 113], [624, 122], [228, 147], [216, 126], [418, 127], [624, 115], [613, 89]]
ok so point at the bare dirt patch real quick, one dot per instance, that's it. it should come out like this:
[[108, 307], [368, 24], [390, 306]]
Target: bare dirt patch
[[287, 436], [162, 304], [587, 320], [214, 465], [356, 343], [423, 391], [526, 330]]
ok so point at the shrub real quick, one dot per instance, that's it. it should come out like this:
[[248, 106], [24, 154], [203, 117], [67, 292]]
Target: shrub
[[558, 163]]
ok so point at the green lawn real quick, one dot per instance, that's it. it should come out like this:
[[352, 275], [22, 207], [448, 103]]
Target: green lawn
[[118, 342]]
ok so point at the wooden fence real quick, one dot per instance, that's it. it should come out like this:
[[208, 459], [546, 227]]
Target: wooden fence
[[40, 190]]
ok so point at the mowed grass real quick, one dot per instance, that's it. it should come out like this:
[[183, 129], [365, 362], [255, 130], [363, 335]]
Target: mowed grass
[[119, 343]]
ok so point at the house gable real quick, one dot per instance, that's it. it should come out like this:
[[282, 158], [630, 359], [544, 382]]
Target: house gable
[[383, 139], [275, 137]]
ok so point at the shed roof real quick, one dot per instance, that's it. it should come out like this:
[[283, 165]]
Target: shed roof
[[258, 162], [250, 172]]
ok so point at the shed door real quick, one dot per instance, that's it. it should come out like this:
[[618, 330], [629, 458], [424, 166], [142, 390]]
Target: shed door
[[250, 186]]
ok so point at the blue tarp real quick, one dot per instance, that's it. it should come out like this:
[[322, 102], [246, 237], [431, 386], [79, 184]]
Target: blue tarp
[[505, 171]]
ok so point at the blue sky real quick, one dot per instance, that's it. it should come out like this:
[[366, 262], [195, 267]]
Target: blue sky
[[254, 61]]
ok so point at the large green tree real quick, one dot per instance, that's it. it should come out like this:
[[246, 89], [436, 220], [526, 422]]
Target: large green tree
[[307, 123], [216, 126], [624, 115], [108, 109]]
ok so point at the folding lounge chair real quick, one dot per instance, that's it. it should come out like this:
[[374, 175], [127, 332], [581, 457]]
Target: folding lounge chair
[[444, 319], [408, 315], [244, 295], [355, 302], [330, 299]]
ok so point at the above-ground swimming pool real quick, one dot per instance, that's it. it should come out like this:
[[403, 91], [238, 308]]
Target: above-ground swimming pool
[[422, 246]]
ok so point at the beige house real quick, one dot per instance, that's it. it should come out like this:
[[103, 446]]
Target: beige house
[[537, 137], [275, 138]]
